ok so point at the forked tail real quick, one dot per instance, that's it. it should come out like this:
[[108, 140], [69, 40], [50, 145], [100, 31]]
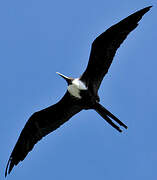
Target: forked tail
[[107, 115]]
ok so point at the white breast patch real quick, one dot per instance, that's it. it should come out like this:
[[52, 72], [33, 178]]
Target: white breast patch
[[75, 87]]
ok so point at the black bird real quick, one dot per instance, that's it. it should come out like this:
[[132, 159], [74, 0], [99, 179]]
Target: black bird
[[82, 92]]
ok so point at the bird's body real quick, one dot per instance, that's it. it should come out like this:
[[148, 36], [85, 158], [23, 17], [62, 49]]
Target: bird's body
[[76, 87], [82, 92]]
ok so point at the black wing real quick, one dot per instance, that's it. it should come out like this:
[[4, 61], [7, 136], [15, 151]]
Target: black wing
[[39, 125], [104, 48]]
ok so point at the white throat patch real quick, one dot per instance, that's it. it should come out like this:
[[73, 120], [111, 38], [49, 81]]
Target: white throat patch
[[75, 87]]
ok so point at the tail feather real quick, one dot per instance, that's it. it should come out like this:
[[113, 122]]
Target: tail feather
[[107, 115], [114, 118]]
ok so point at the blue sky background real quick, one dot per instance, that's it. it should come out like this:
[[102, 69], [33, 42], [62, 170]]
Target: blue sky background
[[38, 38]]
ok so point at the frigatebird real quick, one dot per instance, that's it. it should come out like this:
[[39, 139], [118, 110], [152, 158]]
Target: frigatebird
[[82, 92]]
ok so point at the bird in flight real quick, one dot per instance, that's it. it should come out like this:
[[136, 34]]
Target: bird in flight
[[82, 92]]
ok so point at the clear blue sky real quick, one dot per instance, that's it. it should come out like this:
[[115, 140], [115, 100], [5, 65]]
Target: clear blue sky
[[38, 38]]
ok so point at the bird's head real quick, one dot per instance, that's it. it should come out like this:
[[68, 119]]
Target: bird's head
[[68, 79]]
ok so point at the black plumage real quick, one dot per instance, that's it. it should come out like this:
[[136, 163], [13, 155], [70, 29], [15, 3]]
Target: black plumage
[[105, 46], [47, 120]]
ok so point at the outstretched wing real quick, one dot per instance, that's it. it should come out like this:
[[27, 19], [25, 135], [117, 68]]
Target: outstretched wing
[[39, 125], [104, 48]]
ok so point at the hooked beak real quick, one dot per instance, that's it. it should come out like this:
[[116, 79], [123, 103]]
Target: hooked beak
[[68, 79]]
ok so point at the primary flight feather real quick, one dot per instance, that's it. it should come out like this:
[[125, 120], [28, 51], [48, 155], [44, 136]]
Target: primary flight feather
[[82, 92]]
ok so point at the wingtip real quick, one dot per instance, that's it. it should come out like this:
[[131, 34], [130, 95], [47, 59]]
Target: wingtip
[[150, 6], [6, 170], [6, 173], [143, 10], [9, 167], [147, 8]]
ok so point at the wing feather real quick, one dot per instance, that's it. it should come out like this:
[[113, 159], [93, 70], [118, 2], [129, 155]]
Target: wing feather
[[104, 48], [39, 125]]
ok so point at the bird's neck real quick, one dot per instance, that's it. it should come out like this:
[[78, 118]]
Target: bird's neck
[[75, 88]]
